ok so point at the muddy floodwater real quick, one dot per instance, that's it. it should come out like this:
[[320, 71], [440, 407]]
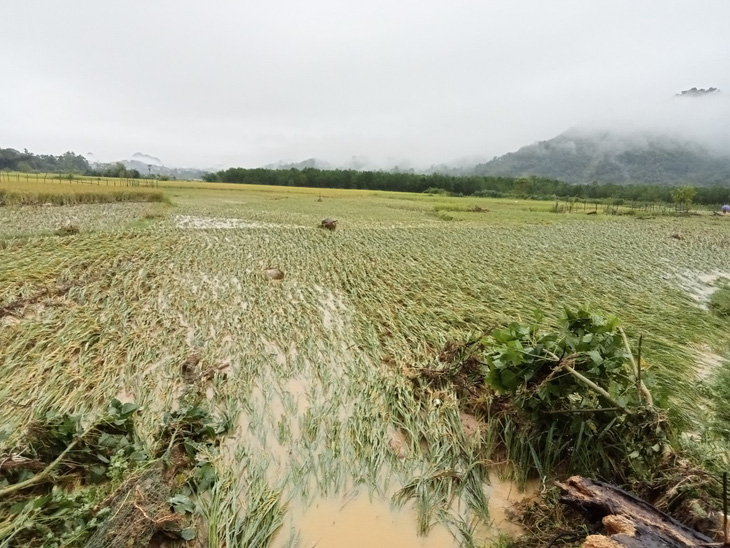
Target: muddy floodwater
[[357, 520], [364, 523]]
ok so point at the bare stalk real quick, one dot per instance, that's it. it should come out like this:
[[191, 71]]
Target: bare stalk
[[643, 390]]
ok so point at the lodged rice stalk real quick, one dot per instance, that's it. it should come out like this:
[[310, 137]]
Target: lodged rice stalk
[[312, 371]]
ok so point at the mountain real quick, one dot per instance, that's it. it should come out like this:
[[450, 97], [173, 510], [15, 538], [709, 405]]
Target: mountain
[[149, 165], [146, 168], [581, 156], [355, 163], [694, 92], [315, 163]]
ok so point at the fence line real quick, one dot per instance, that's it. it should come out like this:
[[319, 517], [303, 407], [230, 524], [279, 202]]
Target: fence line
[[15, 176]]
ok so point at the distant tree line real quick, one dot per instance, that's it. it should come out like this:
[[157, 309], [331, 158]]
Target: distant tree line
[[68, 162], [12, 160], [530, 187]]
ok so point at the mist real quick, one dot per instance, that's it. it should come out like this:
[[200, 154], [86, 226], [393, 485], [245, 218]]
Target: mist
[[391, 83], [702, 120]]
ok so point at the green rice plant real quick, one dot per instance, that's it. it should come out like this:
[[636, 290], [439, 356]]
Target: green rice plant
[[721, 397], [720, 301], [233, 521], [433, 493]]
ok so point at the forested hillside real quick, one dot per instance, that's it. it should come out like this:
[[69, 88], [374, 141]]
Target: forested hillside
[[584, 157], [13, 160]]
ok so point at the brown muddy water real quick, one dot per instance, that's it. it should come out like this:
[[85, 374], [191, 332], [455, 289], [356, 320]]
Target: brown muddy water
[[357, 520], [363, 523]]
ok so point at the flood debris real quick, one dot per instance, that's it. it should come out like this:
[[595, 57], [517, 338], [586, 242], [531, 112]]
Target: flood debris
[[100, 485], [141, 510], [211, 372], [67, 228], [579, 399], [328, 223], [570, 398], [43, 296], [195, 222]]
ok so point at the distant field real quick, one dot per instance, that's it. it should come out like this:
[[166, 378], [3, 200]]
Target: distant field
[[310, 372]]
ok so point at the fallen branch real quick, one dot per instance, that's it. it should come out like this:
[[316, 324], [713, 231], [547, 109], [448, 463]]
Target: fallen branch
[[38, 478], [593, 386]]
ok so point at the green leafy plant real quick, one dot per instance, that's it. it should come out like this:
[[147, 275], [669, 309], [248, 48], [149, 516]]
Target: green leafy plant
[[572, 398]]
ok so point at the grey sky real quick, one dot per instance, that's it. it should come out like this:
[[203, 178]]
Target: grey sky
[[250, 82]]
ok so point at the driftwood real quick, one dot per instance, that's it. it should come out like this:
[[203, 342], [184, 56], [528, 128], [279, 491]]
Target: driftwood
[[628, 521]]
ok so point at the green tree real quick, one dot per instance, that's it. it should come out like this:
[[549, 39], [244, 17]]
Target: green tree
[[683, 196]]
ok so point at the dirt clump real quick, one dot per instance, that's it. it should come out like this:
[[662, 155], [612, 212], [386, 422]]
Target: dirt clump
[[398, 443], [328, 223], [274, 274], [67, 229], [471, 425], [190, 368]]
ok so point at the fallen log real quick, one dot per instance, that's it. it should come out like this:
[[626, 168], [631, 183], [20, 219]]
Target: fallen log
[[628, 521]]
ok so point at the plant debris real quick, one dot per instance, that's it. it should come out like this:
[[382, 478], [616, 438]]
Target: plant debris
[[100, 486], [573, 400]]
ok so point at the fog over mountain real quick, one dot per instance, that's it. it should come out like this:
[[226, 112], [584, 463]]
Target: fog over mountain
[[685, 139], [146, 159]]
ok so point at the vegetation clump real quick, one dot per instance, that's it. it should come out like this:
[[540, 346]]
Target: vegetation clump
[[67, 229], [567, 400], [576, 400], [572, 398], [100, 485], [329, 223], [720, 301]]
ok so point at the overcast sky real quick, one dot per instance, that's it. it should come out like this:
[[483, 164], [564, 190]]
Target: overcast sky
[[220, 83]]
